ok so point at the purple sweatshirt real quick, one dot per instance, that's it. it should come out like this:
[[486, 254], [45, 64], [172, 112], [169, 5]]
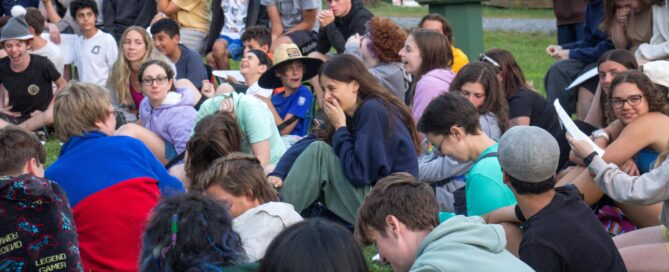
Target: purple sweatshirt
[[173, 120], [431, 85]]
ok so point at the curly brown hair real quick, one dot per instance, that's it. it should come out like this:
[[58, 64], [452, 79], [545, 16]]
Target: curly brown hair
[[654, 98], [387, 39]]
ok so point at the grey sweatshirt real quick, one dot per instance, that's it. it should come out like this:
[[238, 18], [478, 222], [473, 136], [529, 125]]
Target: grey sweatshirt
[[649, 188]]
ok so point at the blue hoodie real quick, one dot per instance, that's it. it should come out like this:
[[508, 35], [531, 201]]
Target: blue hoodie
[[594, 42]]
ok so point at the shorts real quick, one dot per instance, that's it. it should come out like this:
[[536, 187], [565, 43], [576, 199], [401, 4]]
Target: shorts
[[170, 152], [235, 47], [306, 40]]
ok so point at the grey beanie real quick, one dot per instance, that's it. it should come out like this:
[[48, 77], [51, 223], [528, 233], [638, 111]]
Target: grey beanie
[[528, 153], [15, 29]]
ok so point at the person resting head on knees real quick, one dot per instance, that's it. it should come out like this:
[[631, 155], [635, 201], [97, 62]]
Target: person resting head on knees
[[438, 22], [379, 50], [190, 231], [314, 243], [136, 47], [254, 63], [477, 81], [633, 141], [374, 137], [399, 216], [22, 183], [213, 137], [166, 112], [460, 137], [609, 65], [292, 107], [258, 216], [428, 57], [559, 231]]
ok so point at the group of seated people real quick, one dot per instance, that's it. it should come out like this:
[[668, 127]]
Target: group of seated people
[[346, 131]]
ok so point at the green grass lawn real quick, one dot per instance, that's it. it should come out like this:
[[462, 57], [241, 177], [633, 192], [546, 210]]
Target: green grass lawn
[[385, 9]]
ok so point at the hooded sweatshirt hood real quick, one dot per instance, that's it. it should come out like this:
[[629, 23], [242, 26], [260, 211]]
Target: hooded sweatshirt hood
[[173, 120], [466, 244]]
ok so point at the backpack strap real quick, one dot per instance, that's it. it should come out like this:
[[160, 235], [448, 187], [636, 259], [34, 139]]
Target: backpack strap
[[489, 155]]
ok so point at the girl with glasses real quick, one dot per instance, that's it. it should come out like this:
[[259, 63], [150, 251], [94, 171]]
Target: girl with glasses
[[166, 112], [632, 141]]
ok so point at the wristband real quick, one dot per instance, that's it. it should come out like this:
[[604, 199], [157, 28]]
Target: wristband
[[588, 159], [600, 133]]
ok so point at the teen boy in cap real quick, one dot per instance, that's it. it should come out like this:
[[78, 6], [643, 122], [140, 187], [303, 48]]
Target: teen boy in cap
[[26, 78], [559, 231], [290, 107], [399, 215]]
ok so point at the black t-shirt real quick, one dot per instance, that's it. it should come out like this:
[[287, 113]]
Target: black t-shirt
[[526, 103], [31, 89], [566, 236]]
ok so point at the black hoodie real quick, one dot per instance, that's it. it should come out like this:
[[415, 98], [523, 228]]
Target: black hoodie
[[37, 232], [336, 33]]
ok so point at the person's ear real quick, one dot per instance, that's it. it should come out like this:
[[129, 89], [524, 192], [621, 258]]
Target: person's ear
[[393, 226], [458, 132], [265, 48], [33, 167], [355, 86], [262, 68]]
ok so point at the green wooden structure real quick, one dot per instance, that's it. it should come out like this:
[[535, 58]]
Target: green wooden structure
[[467, 22]]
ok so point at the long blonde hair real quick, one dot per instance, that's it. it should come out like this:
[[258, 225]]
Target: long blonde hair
[[119, 79]]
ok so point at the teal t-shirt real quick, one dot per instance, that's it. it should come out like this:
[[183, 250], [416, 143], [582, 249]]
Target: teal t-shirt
[[485, 190], [254, 119]]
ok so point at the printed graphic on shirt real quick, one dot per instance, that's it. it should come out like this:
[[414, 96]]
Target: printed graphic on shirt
[[33, 89]]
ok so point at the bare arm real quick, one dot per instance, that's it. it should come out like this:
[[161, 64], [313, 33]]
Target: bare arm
[[262, 151], [51, 13], [501, 215], [168, 7], [275, 20], [60, 84], [308, 20], [647, 130]]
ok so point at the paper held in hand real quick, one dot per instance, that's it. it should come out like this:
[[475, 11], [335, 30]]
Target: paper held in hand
[[569, 125]]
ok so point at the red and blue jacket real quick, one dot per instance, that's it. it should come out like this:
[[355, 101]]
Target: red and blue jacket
[[112, 183]]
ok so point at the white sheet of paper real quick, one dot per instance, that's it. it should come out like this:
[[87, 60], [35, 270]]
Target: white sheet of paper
[[376, 257], [225, 73], [582, 78], [569, 125]]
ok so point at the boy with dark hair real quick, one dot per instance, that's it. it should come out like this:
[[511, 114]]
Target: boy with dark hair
[[400, 216], [559, 231], [257, 37], [294, 22], [27, 79], [37, 230], [189, 65], [39, 45], [95, 51], [460, 137]]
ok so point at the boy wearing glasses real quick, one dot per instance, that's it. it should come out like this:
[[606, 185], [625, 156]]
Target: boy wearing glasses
[[460, 137], [27, 80], [95, 51]]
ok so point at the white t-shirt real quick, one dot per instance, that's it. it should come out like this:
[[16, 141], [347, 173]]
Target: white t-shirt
[[94, 57], [258, 226], [234, 12], [256, 89], [51, 52]]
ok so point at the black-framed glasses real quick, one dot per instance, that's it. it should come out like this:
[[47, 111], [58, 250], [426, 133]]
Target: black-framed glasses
[[160, 80], [632, 100], [485, 58]]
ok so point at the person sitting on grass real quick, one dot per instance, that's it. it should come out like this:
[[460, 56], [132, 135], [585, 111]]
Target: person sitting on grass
[[258, 216], [26, 79], [559, 231], [34, 209], [437, 22], [399, 216], [112, 182], [460, 137], [166, 112], [291, 108], [314, 243], [374, 137], [191, 232], [189, 64]]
